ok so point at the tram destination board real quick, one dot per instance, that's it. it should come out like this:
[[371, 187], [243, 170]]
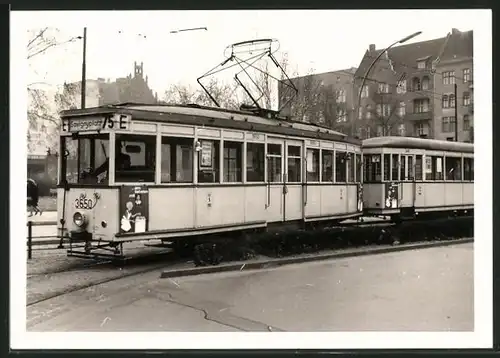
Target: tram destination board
[[96, 123], [134, 209]]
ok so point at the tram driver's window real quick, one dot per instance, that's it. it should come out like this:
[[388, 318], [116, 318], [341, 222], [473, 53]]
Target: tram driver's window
[[232, 162], [327, 164], [340, 167], [208, 161], [135, 158], [176, 160], [255, 162], [350, 167]]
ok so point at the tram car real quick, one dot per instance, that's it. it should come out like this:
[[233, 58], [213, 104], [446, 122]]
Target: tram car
[[134, 172], [405, 177]]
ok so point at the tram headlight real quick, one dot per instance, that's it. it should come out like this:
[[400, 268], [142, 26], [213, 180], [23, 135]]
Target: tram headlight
[[79, 219]]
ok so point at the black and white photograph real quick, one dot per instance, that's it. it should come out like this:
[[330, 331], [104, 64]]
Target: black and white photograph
[[197, 178]]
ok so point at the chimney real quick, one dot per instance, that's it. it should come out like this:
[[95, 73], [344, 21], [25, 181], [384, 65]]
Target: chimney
[[455, 31], [372, 48]]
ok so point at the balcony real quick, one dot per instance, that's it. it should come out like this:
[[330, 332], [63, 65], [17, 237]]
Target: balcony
[[419, 116], [470, 108]]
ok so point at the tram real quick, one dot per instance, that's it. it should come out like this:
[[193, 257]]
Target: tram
[[134, 172], [405, 177]]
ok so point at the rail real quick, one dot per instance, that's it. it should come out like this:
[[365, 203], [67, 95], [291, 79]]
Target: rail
[[30, 236]]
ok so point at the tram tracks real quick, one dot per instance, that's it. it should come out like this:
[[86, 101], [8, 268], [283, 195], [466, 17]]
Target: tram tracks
[[304, 244]]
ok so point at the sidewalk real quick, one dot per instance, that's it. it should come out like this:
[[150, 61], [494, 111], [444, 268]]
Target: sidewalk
[[47, 216]]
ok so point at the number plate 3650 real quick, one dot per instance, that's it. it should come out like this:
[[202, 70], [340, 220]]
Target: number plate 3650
[[84, 203]]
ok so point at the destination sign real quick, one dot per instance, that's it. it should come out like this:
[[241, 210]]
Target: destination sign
[[90, 124]]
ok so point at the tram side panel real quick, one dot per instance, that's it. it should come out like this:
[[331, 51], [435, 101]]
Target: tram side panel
[[331, 200], [172, 208], [468, 193], [98, 208], [453, 194]]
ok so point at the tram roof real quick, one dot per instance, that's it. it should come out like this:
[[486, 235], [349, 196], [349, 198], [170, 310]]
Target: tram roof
[[218, 117], [418, 143]]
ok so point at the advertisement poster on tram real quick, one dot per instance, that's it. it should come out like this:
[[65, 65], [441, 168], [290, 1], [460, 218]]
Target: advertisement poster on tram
[[134, 204]]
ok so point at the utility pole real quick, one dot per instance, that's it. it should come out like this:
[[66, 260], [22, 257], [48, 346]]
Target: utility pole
[[84, 67], [456, 111]]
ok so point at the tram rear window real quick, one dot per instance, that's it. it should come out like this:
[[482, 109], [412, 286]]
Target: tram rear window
[[373, 168], [85, 159]]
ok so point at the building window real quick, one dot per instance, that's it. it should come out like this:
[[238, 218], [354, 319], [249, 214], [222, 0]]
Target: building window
[[402, 109], [380, 131], [466, 122], [421, 65], [425, 83], [368, 132], [232, 162], [420, 129], [369, 110], [416, 84], [364, 92], [445, 102], [401, 130], [379, 109], [452, 101], [383, 88], [466, 98], [176, 160], [421, 105], [255, 162], [448, 124], [386, 110], [360, 113], [341, 115], [340, 96], [448, 77], [401, 88], [467, 75]]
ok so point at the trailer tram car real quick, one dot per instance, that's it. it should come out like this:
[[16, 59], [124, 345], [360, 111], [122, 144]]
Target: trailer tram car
[[141, 172], [405, 177]]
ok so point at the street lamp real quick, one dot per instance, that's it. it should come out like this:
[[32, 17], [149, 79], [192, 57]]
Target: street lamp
[[373, 63]]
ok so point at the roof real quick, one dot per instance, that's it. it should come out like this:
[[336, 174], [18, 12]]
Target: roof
[[418, 143], [349, 72], [216, 117], [460, 44]]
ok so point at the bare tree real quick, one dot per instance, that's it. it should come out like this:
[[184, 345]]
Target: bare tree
[[42, 111], [385, 117]]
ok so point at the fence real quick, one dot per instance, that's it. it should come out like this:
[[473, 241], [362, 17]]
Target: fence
[[30, 237]]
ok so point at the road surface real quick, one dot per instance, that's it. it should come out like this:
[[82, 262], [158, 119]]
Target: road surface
[[421, 290]]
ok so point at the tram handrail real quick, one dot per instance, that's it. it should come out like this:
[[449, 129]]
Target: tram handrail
[[30, 236]]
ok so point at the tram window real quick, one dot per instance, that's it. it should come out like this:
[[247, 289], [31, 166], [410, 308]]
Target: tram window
[[232, 162], [387, 167], [312, 164], [359, 166], [350, 167], [327, 163], [434, 168], [373, 168], [294, 164], [418, 167], [340, 167], [468, 169], [453, 167], [255, 162], [135, 158], [176, 160], [410, 175], [395, 167], [402, 168], [208, 161], [274, 162], [86, 160]]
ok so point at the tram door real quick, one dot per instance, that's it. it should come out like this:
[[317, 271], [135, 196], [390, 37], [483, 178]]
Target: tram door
[[284, 177]]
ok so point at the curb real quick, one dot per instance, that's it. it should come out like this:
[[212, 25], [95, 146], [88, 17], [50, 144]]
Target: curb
[[262, 264]]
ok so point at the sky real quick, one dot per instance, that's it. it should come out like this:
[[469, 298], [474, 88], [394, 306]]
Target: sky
[[324, 40]]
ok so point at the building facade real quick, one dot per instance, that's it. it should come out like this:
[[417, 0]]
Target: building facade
[[133, 88], [323, 98], [455, 66], [404, 92]]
